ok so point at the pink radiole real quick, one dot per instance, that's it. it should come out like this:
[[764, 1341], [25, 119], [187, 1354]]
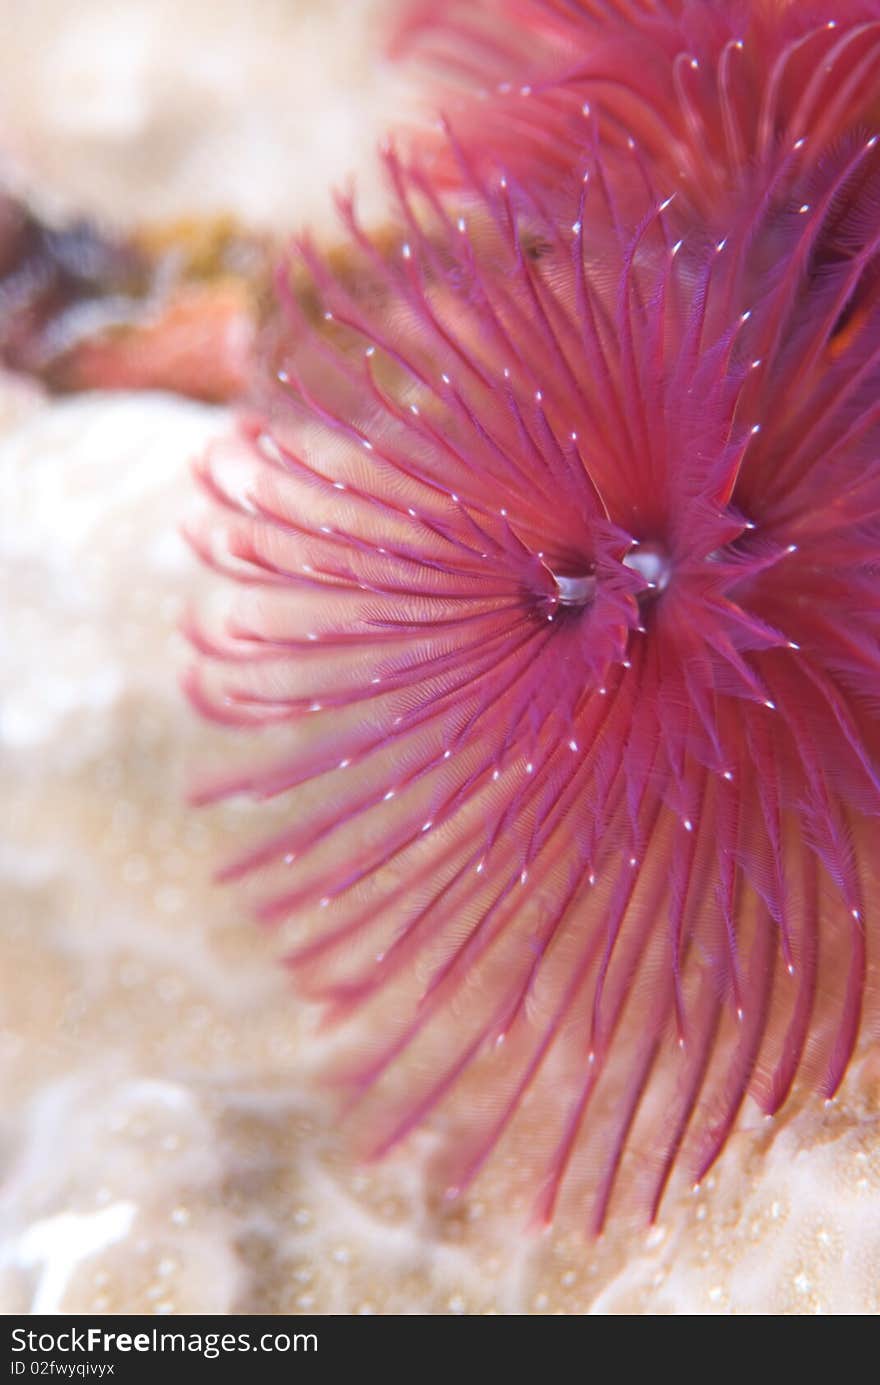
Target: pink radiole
[[557, 541], [710, 95]]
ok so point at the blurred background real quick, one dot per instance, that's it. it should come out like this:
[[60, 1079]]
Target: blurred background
[[148, 109], [162, 1147]]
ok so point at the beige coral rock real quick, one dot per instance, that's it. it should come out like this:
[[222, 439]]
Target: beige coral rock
[[165, 1149], [153, 109]]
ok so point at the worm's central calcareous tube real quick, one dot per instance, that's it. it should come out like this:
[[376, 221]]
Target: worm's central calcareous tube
[[574, 591]]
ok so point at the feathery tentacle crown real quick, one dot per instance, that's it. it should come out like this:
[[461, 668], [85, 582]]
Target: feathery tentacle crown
[[559, 553], [713, 93]]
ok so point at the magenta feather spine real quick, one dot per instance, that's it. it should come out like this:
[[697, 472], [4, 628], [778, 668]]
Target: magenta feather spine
[[559, 560]]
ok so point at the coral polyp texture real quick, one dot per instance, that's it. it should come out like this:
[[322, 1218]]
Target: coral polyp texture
[[557, 534]]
